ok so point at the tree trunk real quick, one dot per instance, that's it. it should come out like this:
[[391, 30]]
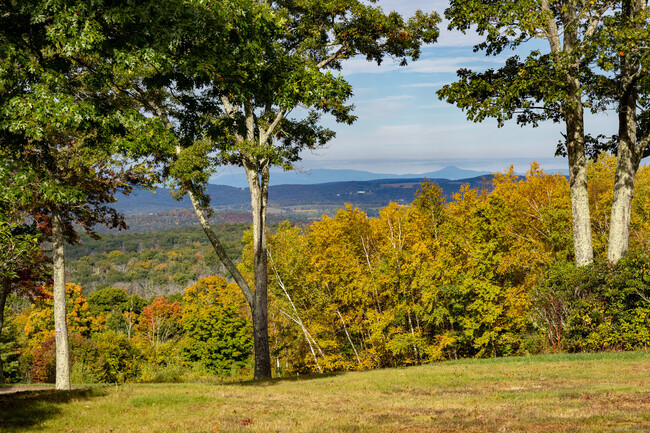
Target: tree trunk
[[60, 324], [582, 243], [258, 181], [562, 44], [3, 299], [629, 153], [627, 163]]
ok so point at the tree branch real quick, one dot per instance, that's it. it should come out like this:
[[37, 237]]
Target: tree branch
[[331, 58]]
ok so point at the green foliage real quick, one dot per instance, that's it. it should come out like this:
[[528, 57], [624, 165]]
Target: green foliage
[[599, 307], [117, 359], [10, 350], [217, 335], [107, 300]]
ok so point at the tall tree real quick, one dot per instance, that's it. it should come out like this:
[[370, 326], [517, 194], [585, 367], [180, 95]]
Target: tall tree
[[65, 133], [624, 40], [555, 85], [243, 68]]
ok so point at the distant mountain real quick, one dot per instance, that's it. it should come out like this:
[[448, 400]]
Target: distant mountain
[[454, 173], [237, 179], [367, 195]]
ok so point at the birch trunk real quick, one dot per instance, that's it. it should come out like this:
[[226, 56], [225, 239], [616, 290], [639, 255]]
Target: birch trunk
[[347, 334], [60, 323]]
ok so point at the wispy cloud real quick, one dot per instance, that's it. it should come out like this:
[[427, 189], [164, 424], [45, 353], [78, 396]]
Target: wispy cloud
[[429, 65], [424, 85], [451, 65]]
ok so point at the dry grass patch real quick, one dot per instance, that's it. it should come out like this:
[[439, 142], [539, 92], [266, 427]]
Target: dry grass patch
[[589, 393]]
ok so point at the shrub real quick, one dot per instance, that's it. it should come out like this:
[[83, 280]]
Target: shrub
[[596, 307], [118, 360]]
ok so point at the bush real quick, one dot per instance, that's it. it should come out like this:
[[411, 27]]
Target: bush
[[118, 360], [596, 307], [10, 352], [43, 367]]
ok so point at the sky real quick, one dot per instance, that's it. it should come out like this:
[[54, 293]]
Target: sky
[[402, 127]]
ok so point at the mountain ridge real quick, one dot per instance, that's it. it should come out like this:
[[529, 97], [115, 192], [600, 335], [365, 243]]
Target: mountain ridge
[[323, 175], [367, 195]]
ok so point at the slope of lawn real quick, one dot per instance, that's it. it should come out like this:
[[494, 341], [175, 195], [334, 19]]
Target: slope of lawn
[[607, 392]]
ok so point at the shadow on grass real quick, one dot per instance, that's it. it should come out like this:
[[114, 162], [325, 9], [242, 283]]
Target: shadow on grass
[[21, 411], [299, 378]]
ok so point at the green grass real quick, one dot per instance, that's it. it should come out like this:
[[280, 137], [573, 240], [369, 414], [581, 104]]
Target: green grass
[[607, 392]]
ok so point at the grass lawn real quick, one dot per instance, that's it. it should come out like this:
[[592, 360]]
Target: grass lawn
[[607, 392]]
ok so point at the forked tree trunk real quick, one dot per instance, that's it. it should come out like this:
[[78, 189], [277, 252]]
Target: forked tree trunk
[[60, 324]]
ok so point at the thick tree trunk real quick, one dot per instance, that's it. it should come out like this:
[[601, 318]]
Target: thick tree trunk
[[563, 45], [629, 153], [258, 181], [582, 243], [627, 163], [60, 323], [3, 299]]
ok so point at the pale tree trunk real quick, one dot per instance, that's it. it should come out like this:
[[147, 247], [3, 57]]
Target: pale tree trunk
[[60, 324], [296, 317], [582, 243], [562, 45], [3, 299], [630, 151], [347, 334]]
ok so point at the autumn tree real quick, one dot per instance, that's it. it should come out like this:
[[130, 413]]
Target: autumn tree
[[555, 84], [160, 320]]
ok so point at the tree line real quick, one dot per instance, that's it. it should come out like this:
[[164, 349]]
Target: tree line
[[489, 272]]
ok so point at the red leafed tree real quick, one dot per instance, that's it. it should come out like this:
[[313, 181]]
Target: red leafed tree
[[160, 320]]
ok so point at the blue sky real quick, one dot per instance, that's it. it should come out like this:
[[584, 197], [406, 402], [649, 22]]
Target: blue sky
[[402, 127]]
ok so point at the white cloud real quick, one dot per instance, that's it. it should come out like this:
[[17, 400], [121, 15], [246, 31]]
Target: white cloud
[[359, 65], [453, 64]]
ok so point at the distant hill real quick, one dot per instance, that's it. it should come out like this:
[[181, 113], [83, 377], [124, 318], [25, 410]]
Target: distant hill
[[367, 195], [235, 177]]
